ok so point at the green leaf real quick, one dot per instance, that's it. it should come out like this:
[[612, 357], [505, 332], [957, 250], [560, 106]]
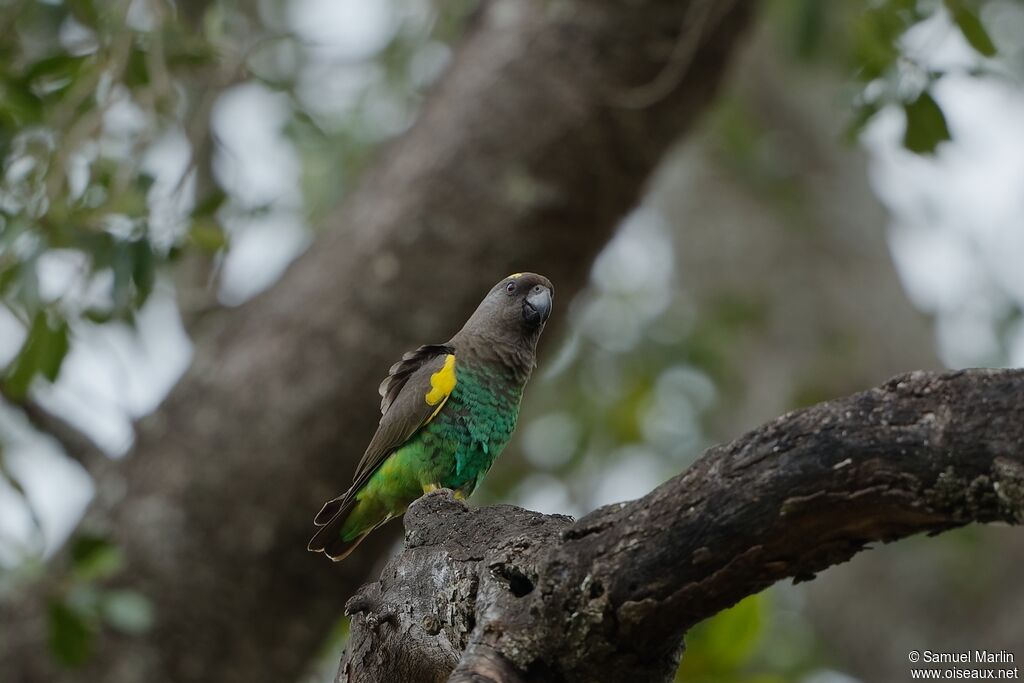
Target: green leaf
[[128, 611], [131, 260], [144, 181], [809, 18], [42, 353], [733, 635], [136, 71], [972, 28], [208, 235], [926, 125], [719, 648], [59, 68], [71, 635], [874, 34], [9, 273], [84, 11], [143, 270], [863, 112], [99, 316], [95, 557], [19, 104], [210, 204]]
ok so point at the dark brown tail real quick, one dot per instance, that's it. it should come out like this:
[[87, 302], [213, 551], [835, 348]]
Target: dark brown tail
[[330, 509], [331, 519], [328, 541]]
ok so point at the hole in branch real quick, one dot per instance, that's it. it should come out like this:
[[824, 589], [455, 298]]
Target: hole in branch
[[519, 584]]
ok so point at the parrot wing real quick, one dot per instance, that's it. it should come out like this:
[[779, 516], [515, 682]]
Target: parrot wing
[[415, 389]]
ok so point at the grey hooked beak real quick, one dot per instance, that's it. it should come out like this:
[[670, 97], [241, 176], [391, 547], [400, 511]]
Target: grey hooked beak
[[537, 306]]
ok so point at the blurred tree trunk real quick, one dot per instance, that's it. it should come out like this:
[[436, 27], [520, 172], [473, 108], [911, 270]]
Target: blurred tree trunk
[[537, 141]]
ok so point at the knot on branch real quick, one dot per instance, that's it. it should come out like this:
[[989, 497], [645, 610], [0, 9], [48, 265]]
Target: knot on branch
[[1009, 487]]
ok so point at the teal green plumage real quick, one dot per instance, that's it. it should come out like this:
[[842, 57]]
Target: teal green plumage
[[474, 426], [454, 450], [448, 412]]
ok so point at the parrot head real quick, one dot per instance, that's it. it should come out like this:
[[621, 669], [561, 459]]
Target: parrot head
[[515, 309]]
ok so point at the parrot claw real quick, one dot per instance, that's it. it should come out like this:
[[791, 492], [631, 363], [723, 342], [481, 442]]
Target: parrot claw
[[457, 494]]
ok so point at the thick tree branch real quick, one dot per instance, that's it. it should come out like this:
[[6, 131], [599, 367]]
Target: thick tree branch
[[507, 592], [518, 161]]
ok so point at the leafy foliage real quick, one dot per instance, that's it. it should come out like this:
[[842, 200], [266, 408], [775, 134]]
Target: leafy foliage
[[971, 26], [875, 43], [90, 90], [87, 89], [82, 606], [71, 635], [926, 124], [735, 646], [94, 557], [42, 353]]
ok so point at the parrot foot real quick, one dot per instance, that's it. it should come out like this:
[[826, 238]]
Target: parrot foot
[[458, 494]]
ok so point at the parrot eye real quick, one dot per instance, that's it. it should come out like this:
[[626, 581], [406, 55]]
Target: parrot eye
[[510, 287]]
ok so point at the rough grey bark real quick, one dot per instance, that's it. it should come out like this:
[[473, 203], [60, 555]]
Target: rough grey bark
[[503, 594], [526, 155]]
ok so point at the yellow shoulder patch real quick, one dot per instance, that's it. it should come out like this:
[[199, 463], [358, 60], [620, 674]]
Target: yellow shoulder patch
[[442, 383]]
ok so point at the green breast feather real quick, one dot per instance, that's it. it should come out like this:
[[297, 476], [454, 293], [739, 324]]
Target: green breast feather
[[473, 428], [454, 450]]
